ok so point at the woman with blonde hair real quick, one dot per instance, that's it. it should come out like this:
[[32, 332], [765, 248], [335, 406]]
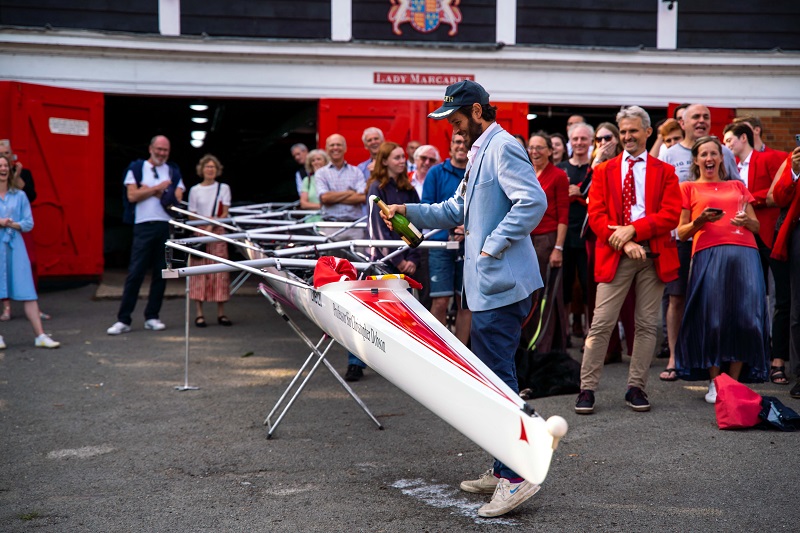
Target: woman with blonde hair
[[210, 199], [315, 160], [16, 277]]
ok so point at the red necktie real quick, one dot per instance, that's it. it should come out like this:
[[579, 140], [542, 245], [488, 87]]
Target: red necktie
[[629, 190]]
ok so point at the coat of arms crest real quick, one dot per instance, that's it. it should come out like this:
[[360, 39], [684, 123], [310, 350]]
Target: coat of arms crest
[[425, 15]]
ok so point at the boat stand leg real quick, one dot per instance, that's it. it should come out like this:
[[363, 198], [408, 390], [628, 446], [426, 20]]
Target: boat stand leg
[[296, 377], [321, 359]]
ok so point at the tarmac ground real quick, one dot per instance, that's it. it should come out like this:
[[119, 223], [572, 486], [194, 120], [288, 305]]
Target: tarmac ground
[[95, 437]]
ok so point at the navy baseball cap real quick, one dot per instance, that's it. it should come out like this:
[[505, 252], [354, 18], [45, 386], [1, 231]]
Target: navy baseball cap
[[458, 95]]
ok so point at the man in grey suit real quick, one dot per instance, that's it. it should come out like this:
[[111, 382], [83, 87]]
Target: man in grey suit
[[499, 203]]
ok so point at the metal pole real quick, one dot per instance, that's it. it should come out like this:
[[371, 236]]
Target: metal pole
[[186, 364]]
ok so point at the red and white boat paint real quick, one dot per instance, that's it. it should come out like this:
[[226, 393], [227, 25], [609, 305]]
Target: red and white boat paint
[[397, 337]]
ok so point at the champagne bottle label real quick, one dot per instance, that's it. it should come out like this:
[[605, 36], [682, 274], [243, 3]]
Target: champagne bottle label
[[401, 225], [414, 230]]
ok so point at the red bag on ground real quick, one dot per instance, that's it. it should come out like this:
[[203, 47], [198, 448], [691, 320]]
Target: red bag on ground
[[738, 406], [330, 269]]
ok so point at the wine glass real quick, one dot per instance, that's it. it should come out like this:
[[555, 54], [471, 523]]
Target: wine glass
[[741, 210]]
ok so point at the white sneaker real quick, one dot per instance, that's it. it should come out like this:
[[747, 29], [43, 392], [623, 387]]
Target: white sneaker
[[154, 324], [485, 484], [118, 328], [711, 395], [2, 343], [507, 496], [43, 341]]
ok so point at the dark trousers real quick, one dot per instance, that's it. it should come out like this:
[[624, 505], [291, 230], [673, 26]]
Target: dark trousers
[[783, 303], [147, 254], [495, 337], [794, 315]]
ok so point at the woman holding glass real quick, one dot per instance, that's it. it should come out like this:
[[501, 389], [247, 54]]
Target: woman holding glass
[[724, 326], [210, 199]]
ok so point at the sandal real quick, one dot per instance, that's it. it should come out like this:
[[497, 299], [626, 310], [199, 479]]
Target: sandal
[[200, 322], [777, 375], [6, 316], [669, 374], [223, 320]]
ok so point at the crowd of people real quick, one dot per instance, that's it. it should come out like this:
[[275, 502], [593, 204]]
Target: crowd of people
[[697, 237], [627, 235], [703, 215]]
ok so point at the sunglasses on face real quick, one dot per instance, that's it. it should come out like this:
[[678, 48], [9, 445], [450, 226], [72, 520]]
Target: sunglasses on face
[[603, 138], [424, 158]]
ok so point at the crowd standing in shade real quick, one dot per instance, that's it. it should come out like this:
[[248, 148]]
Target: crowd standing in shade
[[567, 243]]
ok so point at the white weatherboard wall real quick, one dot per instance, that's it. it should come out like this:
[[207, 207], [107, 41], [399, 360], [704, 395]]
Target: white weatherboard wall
[[187, 66]]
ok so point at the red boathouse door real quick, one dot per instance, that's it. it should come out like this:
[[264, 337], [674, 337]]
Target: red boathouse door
[[57, 134]]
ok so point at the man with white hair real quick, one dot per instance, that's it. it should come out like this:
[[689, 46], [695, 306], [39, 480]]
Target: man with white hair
[[424, 158], [634, 204], [372, 139]]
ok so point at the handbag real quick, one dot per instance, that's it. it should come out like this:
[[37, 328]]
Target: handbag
[[738, 406], [201, 246]]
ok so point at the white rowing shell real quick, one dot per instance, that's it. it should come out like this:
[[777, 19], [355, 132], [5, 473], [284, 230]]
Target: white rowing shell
[[397, 337]]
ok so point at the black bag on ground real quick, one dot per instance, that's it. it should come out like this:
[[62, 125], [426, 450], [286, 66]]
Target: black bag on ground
[[775, 415], [546, 374]]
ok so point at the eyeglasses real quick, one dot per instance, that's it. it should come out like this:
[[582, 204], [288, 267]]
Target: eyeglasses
[[458, 142], [426, 158], [537, 148], [603, 139]]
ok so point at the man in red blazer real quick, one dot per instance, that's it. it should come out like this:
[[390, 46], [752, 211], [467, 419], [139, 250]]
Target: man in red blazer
[[634, 204], [786, 193]]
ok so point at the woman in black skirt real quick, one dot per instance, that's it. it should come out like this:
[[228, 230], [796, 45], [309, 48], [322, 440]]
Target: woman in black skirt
[[724, 327]]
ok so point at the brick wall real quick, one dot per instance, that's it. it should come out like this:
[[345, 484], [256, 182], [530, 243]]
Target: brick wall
[[780, 126]]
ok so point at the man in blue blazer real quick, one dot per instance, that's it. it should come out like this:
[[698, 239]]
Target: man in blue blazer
[[499, 203]]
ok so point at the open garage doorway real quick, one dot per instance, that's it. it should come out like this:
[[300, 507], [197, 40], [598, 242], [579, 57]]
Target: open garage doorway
[[252, 139]]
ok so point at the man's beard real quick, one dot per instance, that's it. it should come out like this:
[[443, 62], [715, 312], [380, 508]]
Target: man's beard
[[473, 131]]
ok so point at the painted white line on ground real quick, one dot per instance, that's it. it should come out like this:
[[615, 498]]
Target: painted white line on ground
[[81, 453], [446, 497]]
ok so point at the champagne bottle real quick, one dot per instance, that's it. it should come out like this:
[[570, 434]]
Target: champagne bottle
[[400, 224]]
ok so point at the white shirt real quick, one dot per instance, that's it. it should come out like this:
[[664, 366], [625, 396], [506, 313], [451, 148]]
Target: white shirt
[[479, 141], [639, 171], [150, 209], [744, 169], [201, 199], [418, 185]]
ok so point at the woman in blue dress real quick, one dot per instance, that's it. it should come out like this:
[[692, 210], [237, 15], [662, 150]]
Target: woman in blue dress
[[16, 279]]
